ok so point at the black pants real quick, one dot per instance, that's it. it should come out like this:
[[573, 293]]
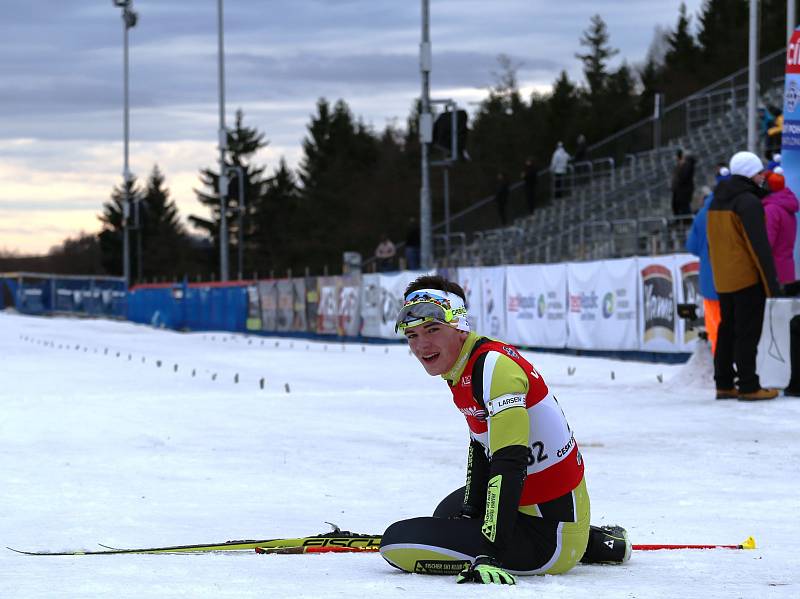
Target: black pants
[[794, 350], [742, 314], [533, 544]]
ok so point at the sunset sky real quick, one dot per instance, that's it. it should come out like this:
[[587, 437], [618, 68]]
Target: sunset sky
[[61, 83]]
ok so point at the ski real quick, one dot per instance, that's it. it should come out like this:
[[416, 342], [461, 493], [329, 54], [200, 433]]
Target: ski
[[366, 548], [343, 539]]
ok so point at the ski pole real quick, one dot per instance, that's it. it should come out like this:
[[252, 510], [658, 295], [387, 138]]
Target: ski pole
[[748, 543]]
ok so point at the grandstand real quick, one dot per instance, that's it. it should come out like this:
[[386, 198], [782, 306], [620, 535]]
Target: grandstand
[[620, 205]]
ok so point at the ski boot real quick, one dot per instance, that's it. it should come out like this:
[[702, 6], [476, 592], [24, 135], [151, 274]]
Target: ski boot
[[607, 545]]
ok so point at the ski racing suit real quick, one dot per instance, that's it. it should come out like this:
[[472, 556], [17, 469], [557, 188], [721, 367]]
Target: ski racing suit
[[525, 501]]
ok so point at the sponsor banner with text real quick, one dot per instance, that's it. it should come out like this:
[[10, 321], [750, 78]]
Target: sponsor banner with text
[[687, 291], [493, 291], [268, 295], [285, 314], [299, 304], [327, 296], [790, 139], [253, 322], [348, 295], [470, 280], [536, 305], [601, 310], [658, 316], [381, 300]]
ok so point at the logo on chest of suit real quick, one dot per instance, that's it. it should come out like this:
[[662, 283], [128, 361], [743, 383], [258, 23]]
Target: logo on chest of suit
[[466, 381], [474, 412], [510, 351]]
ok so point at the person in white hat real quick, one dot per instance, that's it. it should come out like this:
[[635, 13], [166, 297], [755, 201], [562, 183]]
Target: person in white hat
[[744, 276]]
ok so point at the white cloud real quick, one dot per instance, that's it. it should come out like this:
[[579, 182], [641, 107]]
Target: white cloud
[[60, 102]]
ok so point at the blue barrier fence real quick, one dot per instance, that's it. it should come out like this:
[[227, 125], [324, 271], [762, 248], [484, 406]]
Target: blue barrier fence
[[35, 293], [193, 307]]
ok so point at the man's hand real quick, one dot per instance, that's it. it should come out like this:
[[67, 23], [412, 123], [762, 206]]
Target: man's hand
[[485, 570]]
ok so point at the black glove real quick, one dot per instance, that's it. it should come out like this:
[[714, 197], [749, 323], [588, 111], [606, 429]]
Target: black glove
[[485, 570]]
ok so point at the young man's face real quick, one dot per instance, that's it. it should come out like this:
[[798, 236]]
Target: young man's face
[[435, 345]]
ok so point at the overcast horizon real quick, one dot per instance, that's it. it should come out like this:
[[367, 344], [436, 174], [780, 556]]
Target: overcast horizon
[[61, 98]]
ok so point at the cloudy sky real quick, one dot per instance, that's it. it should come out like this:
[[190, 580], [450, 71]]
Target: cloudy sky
[[61, 82]]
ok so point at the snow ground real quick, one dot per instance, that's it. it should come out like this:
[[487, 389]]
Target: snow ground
[[97, 447]]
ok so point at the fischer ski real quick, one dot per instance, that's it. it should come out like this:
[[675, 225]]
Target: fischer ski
[[336, 538]]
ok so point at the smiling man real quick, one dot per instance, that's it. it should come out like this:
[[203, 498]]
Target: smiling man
[[524, 508]]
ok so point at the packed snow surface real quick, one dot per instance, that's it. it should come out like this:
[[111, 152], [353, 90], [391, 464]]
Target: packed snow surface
[[124, 435]]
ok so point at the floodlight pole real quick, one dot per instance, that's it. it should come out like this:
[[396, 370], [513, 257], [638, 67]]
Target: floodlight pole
[[223, 143], [752, 73], [791, 18], [425, 131], [241, 209], [129, 19]]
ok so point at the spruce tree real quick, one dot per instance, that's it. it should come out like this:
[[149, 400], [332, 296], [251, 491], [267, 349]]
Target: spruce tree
[[276, 234], [111, 234], [595, 60], [242, 143], [164, 242]]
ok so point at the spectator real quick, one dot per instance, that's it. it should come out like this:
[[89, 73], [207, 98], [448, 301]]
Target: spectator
[[774, 163], [501, 197], [780, 210], [580, 149], [385, 253], [697, 244], [558, 166], [766, 120], [775, 136], [529, 177], [744, 276], [683, 185], [412, 244]]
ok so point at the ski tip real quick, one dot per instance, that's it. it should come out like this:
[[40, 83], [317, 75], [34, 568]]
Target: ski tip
[[44, 552], [748, 543], [335, 527]]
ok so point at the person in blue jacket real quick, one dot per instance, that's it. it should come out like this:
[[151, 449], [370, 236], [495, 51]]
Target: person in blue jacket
[[697, 244]]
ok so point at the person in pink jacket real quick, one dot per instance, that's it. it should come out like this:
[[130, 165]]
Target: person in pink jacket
[[780, 208]]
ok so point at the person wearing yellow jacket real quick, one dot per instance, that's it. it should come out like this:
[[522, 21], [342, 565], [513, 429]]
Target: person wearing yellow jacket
[[524, 508]]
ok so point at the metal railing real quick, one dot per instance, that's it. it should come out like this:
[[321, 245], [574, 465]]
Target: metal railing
[[622, 161]]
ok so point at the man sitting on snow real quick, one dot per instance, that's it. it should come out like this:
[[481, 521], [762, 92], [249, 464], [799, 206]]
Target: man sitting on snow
[[525, 507]]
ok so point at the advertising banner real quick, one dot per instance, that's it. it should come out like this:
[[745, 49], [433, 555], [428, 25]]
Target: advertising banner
[[381, 300], [687, 289], [299, 322], [536, 305], [348, 295], [312, 303], [268, 295], [790, 144], [326, 309], [773, 360], [285, 314], [253, 322], [470, 281], [658, 317], [602, 305], [493, 289]]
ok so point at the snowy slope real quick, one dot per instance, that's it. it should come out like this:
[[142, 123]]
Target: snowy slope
[[97, 447]]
